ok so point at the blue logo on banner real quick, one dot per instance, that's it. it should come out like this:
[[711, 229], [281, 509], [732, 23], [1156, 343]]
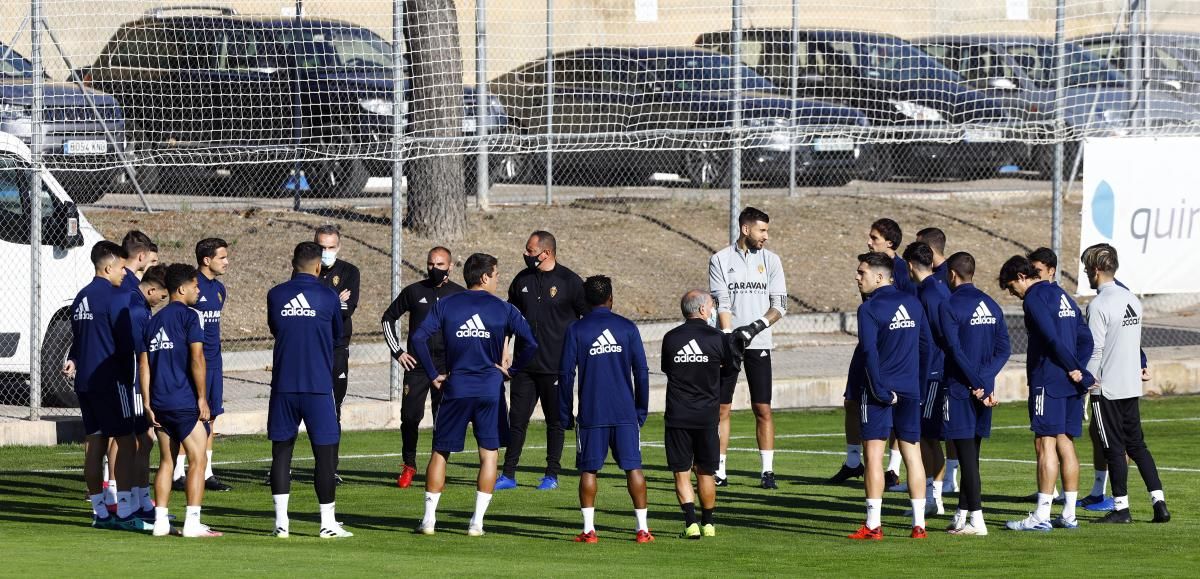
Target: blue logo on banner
[[1103, 209]]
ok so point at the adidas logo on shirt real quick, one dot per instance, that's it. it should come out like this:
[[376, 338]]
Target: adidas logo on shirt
[[202, 299], [605, 344], [690, 352], [473, 328], [1131, 317], [298, 307], [902, 319], [161, 341], [983, 316], [84, 311], [422, 301], [1064, 307]]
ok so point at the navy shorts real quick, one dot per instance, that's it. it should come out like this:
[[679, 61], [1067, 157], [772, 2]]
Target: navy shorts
[[592, 446], [879, 420], [288, 409], [215, 388], [932, 409], [965, 417], [1050, 416], [178, 424], [488, 419], [106, 412]]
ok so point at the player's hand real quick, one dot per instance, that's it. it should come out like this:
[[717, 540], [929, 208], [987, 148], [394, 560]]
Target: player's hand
[[1095, 389], [149, 415], [1146, 376], [1075, 375], [991, 401], [407, 361], [503, 368], [205, 414], [344, 296], [737, 349], [441, 379], [748, 331], [979, 393], [68, 369]]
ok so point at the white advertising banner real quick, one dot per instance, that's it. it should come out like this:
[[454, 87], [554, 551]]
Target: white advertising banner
[[1139, 195]]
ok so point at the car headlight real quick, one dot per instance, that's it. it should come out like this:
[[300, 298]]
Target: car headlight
[[766, 122], [916, 111], [15, 111], [377, 106]]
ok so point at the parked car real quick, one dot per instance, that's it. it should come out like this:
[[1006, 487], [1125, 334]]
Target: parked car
[[74, 145], [629, 112], [931, 122], [1097, 99], [206, 85], [67, 240], [1174, 65]]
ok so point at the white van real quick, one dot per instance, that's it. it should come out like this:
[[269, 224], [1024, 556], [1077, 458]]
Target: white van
[[66, 267]]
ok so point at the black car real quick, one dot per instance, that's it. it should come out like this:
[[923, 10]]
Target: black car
[[203, 85], [74, 145], [933, 123], [1174, 59], [631, 112]]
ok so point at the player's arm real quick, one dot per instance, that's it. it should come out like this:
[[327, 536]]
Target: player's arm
[[925, 348], [720, 294], [352, 284], [566, 380], [1097, 324], [1085, 342], [335, 319], [144, 386], [520, 328], [1001, 351], [868, 336], [420, 340], [199, 370], [954, 347], [578, 301], [1044, 324], [641, 376], [777, 291]]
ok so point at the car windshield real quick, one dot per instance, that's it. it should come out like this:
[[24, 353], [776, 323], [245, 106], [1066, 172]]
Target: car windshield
[[340, 47], [12, 64], [702, 72], [900, 61], [1082, 66]]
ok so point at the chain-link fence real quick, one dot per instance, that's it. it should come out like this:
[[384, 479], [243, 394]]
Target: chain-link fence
[[633, 130]]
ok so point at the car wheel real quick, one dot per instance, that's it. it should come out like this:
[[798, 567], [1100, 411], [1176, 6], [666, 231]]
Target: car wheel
[[708, 168], [335, 177], [510, 168], [57, 391]]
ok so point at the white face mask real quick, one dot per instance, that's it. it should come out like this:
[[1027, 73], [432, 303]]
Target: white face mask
[[712, 317], [328, 256]]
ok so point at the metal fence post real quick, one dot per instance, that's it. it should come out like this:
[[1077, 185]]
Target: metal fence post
[[549, 102], [735, 155], [1060, 17], [481, 105], [794, 73], [35, 215], [399, 116], [297, 121]]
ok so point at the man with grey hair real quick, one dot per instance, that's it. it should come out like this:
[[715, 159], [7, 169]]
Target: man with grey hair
[[695, 358], [343, 277], [1115, 319]]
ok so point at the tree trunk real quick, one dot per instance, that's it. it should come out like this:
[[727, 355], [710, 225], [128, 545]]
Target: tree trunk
[[437, 200]]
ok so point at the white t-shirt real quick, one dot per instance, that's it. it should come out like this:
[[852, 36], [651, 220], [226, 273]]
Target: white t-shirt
[[743, 283]]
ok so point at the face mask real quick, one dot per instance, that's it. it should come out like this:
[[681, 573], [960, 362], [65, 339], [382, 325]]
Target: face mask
[[532, 260], [437, 276], [712, 317], [328, 256]]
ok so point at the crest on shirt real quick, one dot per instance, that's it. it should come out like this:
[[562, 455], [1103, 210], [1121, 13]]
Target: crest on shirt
[[762, 268], [220, 298], [553, 290], [336, 280]]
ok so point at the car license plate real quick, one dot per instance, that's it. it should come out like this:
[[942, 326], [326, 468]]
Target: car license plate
[[824, 145], [85, 147], [468, 125], [984, 135]]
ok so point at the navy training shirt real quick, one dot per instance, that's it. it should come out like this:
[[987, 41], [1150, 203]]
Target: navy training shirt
[[895, 340], [473, 325], [305, 316], [900, 277], [614, 378], [976, 337], [1057, 337], [171, 332], [212, 301], [933, 293], [102, 342], [942, 272]]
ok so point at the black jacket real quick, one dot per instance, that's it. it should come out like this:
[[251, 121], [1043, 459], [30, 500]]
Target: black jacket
[[416, 299], [343, 275], [695, 356], [550, 301]]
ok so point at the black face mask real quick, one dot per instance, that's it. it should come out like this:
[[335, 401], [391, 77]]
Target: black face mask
[[532, 260], [437, 276]]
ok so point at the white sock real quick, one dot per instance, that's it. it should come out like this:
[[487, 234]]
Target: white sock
[[281, 511], [110, 493], [328, 518], [873, 508], [1121, 503], [589, 519], [935, 490], [1043, 506], [721, 468], [180, 464], [951, 472], [208, 465], [1100, 484], [482, 500], [191, 522], [104, 471], [853, 455], [962, 515], [1156, 496], [98, 507], [977, 519], [1069, 499], [124, 504], [894, 458], [918, 509], [431, 503], [160, 514], [640, 515], [768, 460]]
